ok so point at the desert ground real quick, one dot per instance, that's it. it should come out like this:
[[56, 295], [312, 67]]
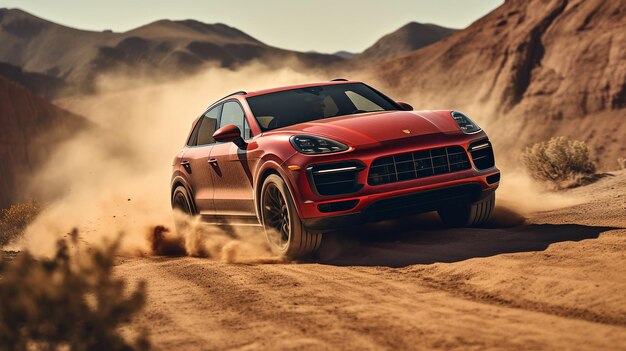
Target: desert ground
[[554, 281]]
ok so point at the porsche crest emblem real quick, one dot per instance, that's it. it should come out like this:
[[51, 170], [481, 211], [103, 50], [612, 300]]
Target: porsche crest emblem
[[406, 131]]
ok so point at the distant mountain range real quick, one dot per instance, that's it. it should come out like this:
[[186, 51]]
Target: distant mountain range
[[410, 37], [164, 47], [73, 59]]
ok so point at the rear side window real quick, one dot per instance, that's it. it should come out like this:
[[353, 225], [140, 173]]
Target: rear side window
[[207, 126]]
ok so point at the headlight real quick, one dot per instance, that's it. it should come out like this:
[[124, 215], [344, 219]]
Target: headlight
[[308, 144], [465, 123]]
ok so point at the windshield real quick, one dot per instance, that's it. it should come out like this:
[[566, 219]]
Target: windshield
[[289, 107]]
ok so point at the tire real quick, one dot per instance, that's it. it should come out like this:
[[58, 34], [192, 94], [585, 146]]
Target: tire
[[181, 201], [469, 215], [284, 229]]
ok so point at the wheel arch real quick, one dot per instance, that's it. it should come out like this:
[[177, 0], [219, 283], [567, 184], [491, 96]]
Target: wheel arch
[[267, 169], [180, 181]]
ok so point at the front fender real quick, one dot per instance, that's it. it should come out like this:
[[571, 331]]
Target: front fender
[[179, 178], [274, 165]]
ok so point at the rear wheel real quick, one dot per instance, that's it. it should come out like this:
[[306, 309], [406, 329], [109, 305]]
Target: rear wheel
[[181, 202], [285, 232], [469, 215]]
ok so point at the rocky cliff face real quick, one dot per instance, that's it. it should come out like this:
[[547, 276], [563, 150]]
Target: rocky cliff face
[[31, 127], [530, 70]]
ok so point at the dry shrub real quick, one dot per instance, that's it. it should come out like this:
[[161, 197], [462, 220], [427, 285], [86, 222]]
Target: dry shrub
[[558, 160], [70, 301], [14, 220], [621, 162]]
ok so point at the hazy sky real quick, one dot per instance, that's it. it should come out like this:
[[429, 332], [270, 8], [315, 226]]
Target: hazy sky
[[320, 25]]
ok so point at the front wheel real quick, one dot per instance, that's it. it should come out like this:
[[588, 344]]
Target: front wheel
[[285, 231], [469, 215]]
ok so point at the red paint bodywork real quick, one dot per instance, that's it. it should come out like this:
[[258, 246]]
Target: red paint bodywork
[[228, 189]]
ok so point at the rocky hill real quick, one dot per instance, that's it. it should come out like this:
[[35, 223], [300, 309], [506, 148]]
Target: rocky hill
[[159, 48], [409, 37], [530, 70], [31, 126], [44, 85]]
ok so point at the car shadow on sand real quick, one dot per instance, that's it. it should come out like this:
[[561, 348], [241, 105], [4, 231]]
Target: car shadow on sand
[[423, 240]]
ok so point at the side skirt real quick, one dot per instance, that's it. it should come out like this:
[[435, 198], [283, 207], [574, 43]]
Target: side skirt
[[248, 221]]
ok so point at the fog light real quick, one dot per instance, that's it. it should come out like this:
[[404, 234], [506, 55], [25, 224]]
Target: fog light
[[494, 178]]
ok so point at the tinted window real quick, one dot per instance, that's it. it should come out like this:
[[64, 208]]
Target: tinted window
[[285, 108], [208, 125], [233, 114]]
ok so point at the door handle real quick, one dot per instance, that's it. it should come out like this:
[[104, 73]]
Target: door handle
[[213, 161], [186, 166]]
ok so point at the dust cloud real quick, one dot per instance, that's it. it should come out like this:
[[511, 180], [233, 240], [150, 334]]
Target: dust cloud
[[221, 243], [115, 177]]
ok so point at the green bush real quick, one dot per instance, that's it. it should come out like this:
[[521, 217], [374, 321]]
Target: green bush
[[69, 302], [14, 220], [558, 160]]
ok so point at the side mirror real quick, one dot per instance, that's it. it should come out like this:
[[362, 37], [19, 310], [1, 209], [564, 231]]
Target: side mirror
[[404, 106], [229, 133]]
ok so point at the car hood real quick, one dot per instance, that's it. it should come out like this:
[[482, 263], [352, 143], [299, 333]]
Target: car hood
[[375, 127]]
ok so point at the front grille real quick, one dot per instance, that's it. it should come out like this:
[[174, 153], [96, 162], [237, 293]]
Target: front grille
[[482, 154], [418, 164], [335, 178]]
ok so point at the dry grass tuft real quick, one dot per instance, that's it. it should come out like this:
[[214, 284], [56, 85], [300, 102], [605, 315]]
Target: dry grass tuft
[[14, 220], [558, 160], [70, 302], [621, 162]]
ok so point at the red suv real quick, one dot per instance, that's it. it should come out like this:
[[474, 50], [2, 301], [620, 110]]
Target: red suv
[[305, 160]]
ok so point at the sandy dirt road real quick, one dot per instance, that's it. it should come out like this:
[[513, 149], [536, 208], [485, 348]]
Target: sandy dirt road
[[556, 282]]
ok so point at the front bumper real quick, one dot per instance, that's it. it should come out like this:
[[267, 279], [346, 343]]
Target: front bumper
[[379, 202], [401, 205]]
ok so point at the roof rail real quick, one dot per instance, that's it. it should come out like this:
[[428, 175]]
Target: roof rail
[[339, 80], [235, 93]]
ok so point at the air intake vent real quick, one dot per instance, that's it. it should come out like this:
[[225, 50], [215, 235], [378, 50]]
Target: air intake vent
[[418, 164], [337, 206], [335, 178], [422, 201], [482, 154]]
